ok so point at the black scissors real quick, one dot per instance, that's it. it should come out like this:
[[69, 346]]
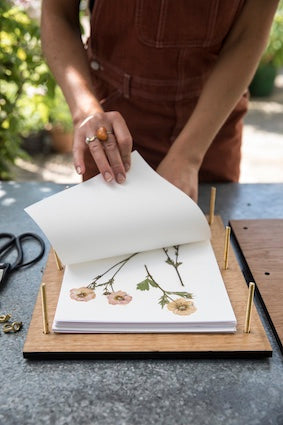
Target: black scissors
[[14, 247]]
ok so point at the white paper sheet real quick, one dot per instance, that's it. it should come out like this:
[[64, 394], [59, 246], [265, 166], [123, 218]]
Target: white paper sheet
[[95, 225], [95, 220], [201, 278]]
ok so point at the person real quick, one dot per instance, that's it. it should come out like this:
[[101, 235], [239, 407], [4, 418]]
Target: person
[[168, 78]]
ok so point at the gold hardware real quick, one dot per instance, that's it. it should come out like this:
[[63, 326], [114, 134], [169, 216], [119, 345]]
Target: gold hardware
[[7, 328], [58, 261], [249, 307], [44, 309], [5, 317], [227, 245], [12, 327], [212, 205]]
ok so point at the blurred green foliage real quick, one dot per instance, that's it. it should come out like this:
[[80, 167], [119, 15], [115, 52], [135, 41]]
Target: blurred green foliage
[[262, 84], [273, 53], [29, 97]]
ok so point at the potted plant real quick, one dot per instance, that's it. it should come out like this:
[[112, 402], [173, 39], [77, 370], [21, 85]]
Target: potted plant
[[271, 60]]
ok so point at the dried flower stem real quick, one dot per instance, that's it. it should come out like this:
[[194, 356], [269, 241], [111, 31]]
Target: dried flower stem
[[110, 281], [154, 281], [175, 263]]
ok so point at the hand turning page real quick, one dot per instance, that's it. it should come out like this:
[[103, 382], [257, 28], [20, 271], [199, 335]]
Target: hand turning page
[[138, 258]]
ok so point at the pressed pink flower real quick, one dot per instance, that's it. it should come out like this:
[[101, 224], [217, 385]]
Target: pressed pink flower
[[82, 294], [182, 307], [119, 297]]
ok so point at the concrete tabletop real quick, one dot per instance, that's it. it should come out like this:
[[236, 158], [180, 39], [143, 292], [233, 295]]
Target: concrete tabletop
[[135, 392]]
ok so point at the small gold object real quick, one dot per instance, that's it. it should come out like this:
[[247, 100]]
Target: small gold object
[[212, 204], [17, 326], [12, 327], [227, 246], [58, 261], [44, 309], [249, 307], [5, 317]]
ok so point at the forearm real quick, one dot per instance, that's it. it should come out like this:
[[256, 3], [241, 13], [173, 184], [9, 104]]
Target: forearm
[[66, 56], [229, 79]]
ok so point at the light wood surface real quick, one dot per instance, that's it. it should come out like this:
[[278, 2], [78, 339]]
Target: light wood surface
[[255, 343], [261, 243]]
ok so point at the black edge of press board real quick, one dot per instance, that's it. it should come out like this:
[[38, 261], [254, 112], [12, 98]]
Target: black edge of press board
[[249, 278], [140, 355]]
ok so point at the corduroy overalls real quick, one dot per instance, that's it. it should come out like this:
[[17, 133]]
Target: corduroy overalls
[[149, 60]]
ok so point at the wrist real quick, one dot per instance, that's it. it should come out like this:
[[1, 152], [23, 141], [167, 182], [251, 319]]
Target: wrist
[[85, 110], [190, 151]]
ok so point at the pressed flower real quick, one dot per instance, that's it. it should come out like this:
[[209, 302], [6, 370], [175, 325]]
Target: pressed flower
[[182, 307], [82, 294], [119, 297]]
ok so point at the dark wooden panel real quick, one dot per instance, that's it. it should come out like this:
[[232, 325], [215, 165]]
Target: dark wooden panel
[[261, 243]]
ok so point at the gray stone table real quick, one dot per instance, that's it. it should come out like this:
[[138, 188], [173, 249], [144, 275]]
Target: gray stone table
[[117, 392]]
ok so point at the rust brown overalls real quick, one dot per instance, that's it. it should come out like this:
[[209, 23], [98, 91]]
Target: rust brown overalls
[[149, 61]]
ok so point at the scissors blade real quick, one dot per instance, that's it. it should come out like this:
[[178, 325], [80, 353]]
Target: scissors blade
[[4, 269]]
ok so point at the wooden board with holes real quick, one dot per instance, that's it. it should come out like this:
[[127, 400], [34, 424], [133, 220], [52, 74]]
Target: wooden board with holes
[[261, 244], [239, 344]]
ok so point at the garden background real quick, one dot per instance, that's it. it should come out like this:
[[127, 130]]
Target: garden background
[[35, 124]]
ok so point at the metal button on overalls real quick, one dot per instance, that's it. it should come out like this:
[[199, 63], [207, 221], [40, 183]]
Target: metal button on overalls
[[94, 65]]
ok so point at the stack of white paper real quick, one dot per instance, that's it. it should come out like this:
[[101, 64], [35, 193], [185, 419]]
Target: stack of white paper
[[138, 258]]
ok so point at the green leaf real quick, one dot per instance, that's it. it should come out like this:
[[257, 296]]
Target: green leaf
[[169, 262], [183, 294], [152, 283], [144, 285], [163, 300]]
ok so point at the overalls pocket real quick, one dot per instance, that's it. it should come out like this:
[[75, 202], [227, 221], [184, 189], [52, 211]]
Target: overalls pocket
[[184, 23]]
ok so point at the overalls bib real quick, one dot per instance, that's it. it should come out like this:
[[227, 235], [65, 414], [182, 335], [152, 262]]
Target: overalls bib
[[150, 59]]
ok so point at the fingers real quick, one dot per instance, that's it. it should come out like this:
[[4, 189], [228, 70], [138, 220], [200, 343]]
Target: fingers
[[103, 164], [112, 156], [123, 137], [78, 155]]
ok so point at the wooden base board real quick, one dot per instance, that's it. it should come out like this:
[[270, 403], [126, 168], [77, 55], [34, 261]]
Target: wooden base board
[[169, 345], [261, 244]]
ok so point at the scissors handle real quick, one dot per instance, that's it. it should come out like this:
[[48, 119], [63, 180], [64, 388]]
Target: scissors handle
[[19, 246], [7, 245]]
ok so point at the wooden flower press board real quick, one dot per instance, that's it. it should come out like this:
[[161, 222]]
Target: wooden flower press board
[[261, 243], [170, 345]]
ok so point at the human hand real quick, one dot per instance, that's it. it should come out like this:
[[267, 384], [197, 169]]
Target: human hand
[[112, 156], [181, 172]]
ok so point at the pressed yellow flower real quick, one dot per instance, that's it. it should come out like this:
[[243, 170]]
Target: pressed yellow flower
[[82, 294], [119, 297], [182, 307]]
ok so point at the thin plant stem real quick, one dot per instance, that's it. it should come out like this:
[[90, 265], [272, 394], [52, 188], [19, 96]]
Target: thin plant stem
[[174, 264], [161, 289], [111, 279]]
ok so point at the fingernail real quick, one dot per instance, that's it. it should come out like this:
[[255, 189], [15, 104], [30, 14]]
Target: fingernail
[[120, 178], [78, 169], [127, 166], [108, 177]]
